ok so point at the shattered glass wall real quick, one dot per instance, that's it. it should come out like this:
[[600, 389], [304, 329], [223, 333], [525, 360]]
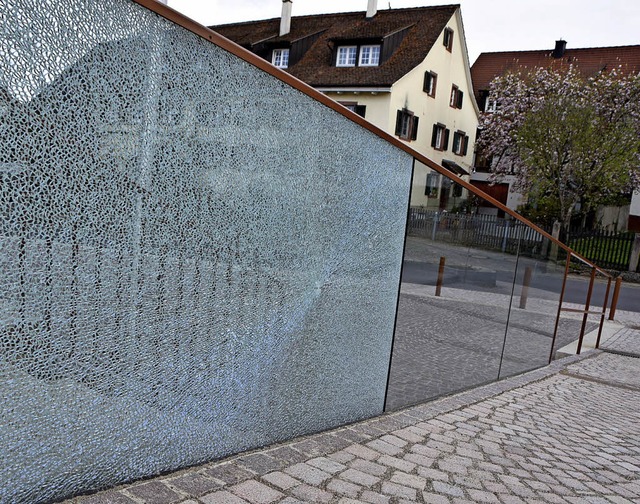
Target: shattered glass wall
[[195, 258]]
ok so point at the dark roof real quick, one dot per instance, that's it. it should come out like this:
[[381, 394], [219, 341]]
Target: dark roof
[[423, 26], [588, 61]]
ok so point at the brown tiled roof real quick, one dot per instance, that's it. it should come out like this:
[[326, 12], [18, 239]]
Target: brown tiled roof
[[315, 68], [588, 61]]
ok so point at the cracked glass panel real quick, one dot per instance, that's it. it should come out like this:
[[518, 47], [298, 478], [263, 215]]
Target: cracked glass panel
[[195, 258]]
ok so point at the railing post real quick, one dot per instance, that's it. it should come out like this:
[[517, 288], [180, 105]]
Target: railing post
[[506, 236], [526, 281], [586, 310], [564, 285], [634, 259], [614, 301], [440, 277], [604, 312], [436, 218]]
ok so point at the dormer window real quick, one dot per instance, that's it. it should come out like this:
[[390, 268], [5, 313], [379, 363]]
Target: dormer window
[[369, 55], [360, 55], [447, 39], [347, 56], [280, 58]]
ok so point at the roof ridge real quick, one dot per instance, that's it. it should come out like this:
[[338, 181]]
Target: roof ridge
[[336, 14], [532, 51]]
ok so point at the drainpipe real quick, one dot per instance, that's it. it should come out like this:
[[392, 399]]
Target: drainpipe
[[285, 19]]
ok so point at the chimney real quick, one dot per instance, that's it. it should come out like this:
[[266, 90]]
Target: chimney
[[561, 46], [285, 20], [372, 8]]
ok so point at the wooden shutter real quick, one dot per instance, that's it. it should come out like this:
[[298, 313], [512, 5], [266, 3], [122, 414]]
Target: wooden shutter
[[446, 139], [434, 136], [459, 99], [427, 81], [466, 145], [399, 122], [360, 110], [414, 128]]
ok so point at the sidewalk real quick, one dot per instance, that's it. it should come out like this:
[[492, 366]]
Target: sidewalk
[[566, 433]]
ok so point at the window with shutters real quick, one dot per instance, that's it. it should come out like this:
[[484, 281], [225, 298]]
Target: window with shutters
[[432, 185], [429, 86], [354, 107], [460, 143], [406, 125], [456, 98], [456, 191], [440, 137], [447, 39], [280, 58]]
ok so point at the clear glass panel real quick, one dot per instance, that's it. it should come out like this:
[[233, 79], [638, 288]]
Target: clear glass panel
[[452, 341], [536, 298]]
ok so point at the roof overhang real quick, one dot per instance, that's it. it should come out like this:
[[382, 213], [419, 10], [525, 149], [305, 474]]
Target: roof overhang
[[454, 167], [353, 90]]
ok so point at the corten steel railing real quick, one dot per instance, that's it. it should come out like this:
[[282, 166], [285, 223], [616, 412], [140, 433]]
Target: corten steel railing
[[178, 282]]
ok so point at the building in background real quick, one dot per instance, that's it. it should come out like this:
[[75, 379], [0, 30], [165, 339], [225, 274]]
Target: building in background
[[589, 61], [405, 70]]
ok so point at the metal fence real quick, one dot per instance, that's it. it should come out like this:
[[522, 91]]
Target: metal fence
[[482, 231], [609, 249]]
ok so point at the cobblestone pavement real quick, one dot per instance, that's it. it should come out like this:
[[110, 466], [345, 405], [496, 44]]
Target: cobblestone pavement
[[626, 340], [447, 344], [566, 433]]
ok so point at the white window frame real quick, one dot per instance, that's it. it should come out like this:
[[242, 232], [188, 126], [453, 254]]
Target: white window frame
[[280, 58], [491, 105], [372, 55], [347, 56]]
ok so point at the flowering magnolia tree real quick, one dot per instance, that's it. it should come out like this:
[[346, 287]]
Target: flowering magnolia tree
[[567, 139]]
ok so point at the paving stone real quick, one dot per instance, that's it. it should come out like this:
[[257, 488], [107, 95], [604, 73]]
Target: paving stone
[[409, 480], [342, 487], [403, 465], [311, 494], [281, 480], [369, 467], [327, 465], [362, 452], [374, 498], [256, 492], [287, 455], [420, 460], [446, 488], [109, 497], [341, 456], [307, 473], [290, 500], [384, 447], [194, 484], [396, 490], [359, 477], [432, 498], [433, 474], [155, 493], [482, 496], [229, 473], [260, 463], [222, 497]]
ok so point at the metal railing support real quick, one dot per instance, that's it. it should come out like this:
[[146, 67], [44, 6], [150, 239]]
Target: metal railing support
[[440, 276], [587, 304], [526, 281], [614, 301], [564, 286], [604, 312]]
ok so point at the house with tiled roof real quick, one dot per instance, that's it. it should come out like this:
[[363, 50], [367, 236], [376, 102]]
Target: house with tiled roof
[[588, 61], [405, 70]]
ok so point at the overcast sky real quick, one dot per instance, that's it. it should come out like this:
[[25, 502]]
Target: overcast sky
[[490, 25]]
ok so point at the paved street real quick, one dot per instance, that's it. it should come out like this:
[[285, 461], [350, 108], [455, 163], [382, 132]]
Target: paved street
[[565, 433]]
